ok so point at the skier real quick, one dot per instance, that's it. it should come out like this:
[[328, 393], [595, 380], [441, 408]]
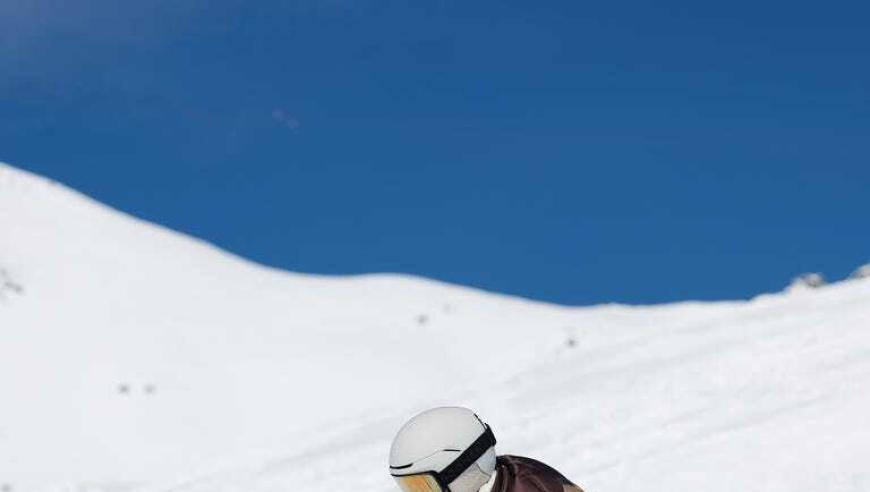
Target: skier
[[449, 449]]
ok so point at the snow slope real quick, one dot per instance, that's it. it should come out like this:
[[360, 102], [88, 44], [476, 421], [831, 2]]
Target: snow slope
[[135, 358]]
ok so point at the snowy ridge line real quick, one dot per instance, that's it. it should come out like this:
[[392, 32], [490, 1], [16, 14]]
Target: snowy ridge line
[[32, 186], [17, 179]]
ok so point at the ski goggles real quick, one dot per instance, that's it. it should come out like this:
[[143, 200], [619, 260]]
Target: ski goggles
[[422, 482], [432, 481]]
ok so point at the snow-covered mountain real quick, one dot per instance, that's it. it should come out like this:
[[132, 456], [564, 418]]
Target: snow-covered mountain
[[135, 358]]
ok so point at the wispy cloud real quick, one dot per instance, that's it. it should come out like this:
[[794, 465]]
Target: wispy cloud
[[282, 117]]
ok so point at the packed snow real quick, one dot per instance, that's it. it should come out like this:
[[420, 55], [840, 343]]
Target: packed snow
[[133, 358]]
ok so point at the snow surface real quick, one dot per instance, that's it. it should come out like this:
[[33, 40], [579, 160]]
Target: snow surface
[[133, 358]]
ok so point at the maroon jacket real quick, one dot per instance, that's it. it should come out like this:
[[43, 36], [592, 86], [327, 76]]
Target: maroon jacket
[[518, 474]]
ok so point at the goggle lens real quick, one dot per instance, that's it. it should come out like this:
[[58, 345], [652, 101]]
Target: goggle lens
[[418, 483]]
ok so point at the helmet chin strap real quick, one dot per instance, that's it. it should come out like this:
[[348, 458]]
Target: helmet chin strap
[[487, 487]]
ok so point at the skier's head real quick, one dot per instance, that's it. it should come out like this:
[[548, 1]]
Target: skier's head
[[446, 449]]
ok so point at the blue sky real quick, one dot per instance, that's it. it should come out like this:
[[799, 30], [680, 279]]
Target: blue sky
[[575, 152]]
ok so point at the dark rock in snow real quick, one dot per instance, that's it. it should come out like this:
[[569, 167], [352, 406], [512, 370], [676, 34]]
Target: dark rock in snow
[[862, 272], [807, 281]]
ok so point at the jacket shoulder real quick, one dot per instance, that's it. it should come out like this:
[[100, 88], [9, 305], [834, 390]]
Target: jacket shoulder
[[522, 474]]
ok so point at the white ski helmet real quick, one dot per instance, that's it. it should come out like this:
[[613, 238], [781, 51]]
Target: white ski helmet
[[446, 449]]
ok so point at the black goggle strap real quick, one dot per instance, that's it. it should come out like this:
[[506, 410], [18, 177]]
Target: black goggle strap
[[466, 459]]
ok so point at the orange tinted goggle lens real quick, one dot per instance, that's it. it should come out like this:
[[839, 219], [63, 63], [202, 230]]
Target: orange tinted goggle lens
[[418, 483]]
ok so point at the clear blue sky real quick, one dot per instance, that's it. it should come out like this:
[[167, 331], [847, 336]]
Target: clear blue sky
[[570, 151]]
